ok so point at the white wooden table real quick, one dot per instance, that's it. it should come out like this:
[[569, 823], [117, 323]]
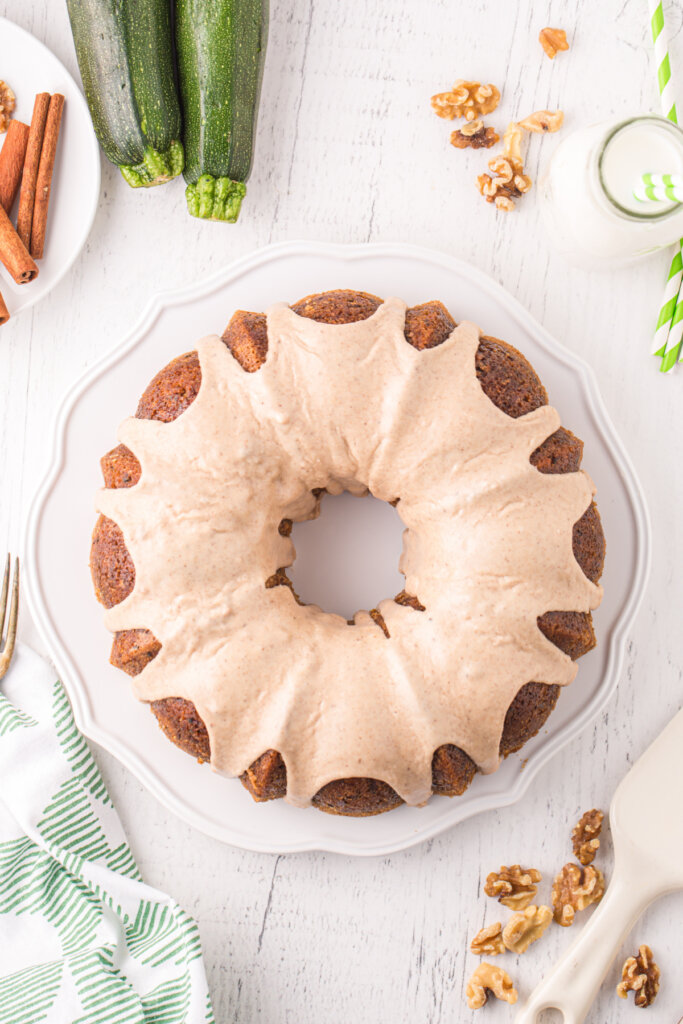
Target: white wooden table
[[348, 150]]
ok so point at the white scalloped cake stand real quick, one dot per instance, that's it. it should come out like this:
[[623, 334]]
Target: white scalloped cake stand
[[61, 519]]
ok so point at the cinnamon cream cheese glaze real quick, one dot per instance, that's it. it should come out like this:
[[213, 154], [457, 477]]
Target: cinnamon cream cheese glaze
[[487, 551]]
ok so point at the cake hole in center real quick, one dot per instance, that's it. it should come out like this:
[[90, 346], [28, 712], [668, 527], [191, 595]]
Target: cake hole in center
[[347, 558]]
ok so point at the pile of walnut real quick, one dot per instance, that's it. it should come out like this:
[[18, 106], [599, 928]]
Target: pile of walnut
[[515, 887], [579, 885], [471, 101], [506, 180], [574, 888]]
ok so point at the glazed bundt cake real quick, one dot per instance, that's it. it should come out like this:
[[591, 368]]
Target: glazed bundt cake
[[502, 554]]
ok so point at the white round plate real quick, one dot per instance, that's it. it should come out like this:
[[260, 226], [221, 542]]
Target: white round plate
[[61, 521], [28, 67]]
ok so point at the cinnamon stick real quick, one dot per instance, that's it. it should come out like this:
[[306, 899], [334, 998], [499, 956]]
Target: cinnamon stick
[[27, 193], [12, 162], [13, 252], [45, 169], [4, 312]]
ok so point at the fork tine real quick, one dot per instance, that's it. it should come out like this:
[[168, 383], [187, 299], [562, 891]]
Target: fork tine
[[8, 649], [3, 597]]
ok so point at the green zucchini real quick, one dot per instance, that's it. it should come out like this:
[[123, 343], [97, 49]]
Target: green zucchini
[[221, 46], [125, 55]]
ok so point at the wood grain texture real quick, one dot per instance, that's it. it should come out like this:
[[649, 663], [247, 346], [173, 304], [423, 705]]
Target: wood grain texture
[[349, 150]]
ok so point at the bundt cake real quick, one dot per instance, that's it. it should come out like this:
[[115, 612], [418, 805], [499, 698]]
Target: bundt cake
[[502, 555]]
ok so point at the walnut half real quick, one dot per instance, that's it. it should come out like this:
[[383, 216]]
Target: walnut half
[[640, 975], [488, 941], [474, 135], [512, 143], [553, 40], [524, 928], [575, 888], [504, 184], [586, 836], [466, 99], [7, 104], [514, 886], [487, 978], [541, 122]]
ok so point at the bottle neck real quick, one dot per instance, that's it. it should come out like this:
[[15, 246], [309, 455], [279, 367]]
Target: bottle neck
[[631, 148]]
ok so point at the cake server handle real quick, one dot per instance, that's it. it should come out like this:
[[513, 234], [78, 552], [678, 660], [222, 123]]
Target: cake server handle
[[572, 984]]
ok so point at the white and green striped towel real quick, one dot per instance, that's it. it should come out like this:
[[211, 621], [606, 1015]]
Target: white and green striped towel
[[82, 939]]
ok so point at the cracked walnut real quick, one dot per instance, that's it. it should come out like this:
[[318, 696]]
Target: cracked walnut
[[514, 886], [524, 928], [640, 975], [505, 183], [553, 40], [474, 135], [7, 104], [488, 941], [575, 888], [542, 122], [466, 99], [586, 836], [487, 978]]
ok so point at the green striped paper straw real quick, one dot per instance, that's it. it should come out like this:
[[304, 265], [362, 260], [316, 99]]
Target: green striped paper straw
[[664, 180], [660, 188], [673, 343], [664, 79], [666, 95], [666, 313]]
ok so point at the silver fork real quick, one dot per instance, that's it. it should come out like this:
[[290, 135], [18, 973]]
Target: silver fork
[[7, 645]]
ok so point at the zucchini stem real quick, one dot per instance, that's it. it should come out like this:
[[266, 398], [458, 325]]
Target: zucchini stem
[[155, 167], [215, 198]]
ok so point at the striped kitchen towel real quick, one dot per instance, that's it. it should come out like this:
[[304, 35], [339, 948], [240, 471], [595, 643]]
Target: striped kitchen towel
[[83, 940]]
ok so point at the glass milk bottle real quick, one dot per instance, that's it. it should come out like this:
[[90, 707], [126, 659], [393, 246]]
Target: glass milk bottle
[[587, 192]]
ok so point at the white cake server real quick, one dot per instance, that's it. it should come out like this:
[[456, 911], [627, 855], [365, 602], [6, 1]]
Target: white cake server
[[647, 832]]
